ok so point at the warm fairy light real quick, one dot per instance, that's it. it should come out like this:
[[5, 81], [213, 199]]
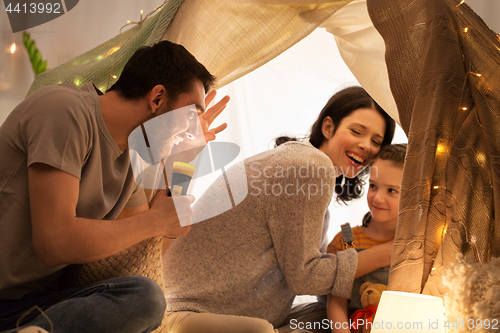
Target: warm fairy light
[[441, 148], [481, 158], [77, 82], [435, 187], [112, 50], [464, 108], [461, 2], [466, 29], [433, 268], [157, 9], [114, 76], [441, 233], [13, 48], [476, 74]]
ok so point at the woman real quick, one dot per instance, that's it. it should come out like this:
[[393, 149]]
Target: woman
[[240, 271]]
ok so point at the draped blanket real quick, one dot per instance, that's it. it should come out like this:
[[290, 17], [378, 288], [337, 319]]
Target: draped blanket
[[444, 72]]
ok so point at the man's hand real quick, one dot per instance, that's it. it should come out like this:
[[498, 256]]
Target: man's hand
[[187, 150], [60, 237], [207, 118], [169, 212]]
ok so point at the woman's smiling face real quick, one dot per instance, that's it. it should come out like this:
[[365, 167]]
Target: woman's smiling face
[[355, 142]]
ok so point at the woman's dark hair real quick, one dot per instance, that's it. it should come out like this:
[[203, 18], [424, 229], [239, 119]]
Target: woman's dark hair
[[394, 153], [165, 63], [341, 105]]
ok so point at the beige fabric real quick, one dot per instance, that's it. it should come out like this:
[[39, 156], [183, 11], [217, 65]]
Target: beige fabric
[[232, 38], [195, 322], [310, 315], [60, 126], [363, 51], [446, 83]]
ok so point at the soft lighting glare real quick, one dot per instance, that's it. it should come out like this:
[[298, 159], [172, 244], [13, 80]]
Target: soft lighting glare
[[408, 312], [113, 50], [481, 158], [13, 48]]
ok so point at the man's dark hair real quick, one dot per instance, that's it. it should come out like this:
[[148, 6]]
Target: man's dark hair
[[165, 63]]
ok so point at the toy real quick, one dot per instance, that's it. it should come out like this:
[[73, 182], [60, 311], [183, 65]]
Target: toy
[[370, 296]]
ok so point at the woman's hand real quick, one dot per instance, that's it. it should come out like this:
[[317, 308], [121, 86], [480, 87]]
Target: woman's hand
[[374, 258]]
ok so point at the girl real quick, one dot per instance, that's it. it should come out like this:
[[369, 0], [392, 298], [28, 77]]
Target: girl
[[379, 226], [240, 271]]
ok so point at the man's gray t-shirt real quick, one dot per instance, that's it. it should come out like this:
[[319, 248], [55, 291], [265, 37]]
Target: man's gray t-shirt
[[61, 126]]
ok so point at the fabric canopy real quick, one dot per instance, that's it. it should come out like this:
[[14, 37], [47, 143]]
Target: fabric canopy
[[442, 64]]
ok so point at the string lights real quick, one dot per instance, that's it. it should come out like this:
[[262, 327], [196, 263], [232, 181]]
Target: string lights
[[13, 48], [157, 9]]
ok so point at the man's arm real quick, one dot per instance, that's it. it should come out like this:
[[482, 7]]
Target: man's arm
[[60, 237], [131, 211]]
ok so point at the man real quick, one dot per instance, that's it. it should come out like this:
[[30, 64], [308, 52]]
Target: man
[[65, 180]]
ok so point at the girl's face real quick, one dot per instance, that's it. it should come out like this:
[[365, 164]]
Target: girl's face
[[356, 141], [383, 191]]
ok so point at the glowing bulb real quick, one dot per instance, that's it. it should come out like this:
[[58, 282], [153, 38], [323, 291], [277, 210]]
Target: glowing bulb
[[77, 82], [461, 2], [466, 29], [129, 21], [441, 148], [114, 76], [435, 187], [433, 268], [476, 74], [13, 48], [142, 11], [464, 108]]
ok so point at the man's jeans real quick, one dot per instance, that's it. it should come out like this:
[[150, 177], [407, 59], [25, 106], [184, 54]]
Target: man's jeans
[[127, 304]]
